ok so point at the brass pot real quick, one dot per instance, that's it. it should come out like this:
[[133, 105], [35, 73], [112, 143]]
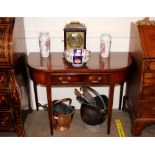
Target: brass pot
[[62, 114]]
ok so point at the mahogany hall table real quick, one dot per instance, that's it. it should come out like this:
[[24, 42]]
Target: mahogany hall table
[[98, 71]]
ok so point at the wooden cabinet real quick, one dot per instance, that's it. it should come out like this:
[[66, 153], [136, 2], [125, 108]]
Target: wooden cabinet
[[14, 83], [141, 81]]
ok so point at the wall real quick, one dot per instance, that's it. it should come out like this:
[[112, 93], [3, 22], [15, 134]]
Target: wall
[[26, 35]]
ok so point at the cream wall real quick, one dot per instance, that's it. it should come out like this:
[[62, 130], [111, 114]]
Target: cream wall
[[26, 33]]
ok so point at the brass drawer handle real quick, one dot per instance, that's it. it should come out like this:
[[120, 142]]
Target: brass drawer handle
[[2, 78], [99, 78], [62, 81]]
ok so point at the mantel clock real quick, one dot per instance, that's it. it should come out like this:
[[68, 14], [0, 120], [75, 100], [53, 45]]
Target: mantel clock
[[74, 35]]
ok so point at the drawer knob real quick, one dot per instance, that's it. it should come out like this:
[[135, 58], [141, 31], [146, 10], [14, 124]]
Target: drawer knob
[[99, 78], [64, 81], [68, 78], [90, 77], [60, 78], [146, 66], [2, 79]]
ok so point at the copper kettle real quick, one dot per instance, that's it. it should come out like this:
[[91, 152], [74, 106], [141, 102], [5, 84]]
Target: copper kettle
[[62, 114]]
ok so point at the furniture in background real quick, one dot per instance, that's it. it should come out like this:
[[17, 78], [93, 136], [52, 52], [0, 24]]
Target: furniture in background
[[14, 82], [140, 99], [98, 71]]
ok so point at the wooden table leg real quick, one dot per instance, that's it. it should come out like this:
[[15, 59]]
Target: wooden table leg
[[36, 95], [110, 105], [121, 94], [50, 107]]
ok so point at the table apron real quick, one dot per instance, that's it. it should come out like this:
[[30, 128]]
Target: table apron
[[60, 79]]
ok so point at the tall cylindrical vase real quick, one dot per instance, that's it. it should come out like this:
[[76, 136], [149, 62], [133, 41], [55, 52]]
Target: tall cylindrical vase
[[105, 44], [44, 44]]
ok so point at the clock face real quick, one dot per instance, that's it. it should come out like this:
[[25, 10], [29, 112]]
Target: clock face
[[75, 40]]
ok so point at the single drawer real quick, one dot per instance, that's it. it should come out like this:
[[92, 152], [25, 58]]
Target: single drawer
[[148, 92], [6, 119], [149, 78], [147, 110], [4, 78], [69, 79], [149, 65], [4, 100], [96, 78]]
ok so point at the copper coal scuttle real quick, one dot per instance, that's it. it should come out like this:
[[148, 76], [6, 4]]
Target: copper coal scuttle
[[62, 114], [94, 108]]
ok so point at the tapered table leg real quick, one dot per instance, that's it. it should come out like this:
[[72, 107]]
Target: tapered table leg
[[121, 94], [50, 109], [110, 105], [36, 95]]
